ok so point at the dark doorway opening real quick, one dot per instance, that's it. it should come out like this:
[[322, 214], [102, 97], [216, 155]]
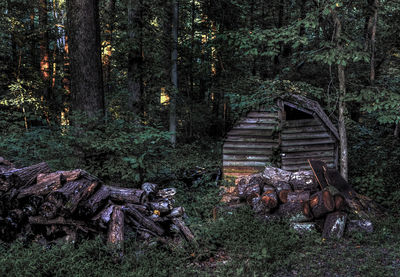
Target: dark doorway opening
[[295, 114]]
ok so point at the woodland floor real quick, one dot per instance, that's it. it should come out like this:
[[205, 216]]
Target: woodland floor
[[230, 243]]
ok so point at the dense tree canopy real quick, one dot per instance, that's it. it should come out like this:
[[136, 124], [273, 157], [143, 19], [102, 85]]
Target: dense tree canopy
[[189, 68]]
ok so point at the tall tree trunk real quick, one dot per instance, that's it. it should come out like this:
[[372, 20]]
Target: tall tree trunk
[[276, 67], [303, 14], [33, 42], [174, 72], [397, 130], [66, 81], [342, 104], [109, 18], [135, 55], [191, 75], [374, 19], [44, 48], [85, 55]]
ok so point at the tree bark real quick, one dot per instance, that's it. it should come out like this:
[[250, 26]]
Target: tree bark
[[342, 103], [141, 219], [22, 177], [135, 56], [397, 130], [129, 195], [94, 203], [294, 211], [174, 72], [45, 183], [108, 43], [86, 69], [374, 19], [115, 236], [303, 180], [321, 203], [44, 48], [335, 224], [283, 189]]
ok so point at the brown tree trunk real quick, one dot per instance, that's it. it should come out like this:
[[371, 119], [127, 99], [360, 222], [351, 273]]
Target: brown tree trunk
[[86, 69]]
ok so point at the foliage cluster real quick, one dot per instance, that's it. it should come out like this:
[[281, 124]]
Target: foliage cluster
[[117, 150], [374, 162]]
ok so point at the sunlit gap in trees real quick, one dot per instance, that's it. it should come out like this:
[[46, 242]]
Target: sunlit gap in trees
[[164, 97]]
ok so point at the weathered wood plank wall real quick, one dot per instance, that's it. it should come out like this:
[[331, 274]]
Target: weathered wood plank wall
[[250, 144], [305, 139]]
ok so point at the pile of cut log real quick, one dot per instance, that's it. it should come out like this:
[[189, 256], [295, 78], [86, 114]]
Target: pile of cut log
[[44, 206], [319, 199]]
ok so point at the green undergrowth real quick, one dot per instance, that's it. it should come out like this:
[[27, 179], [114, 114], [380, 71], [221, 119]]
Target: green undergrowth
[[235, 243], [230, 242]]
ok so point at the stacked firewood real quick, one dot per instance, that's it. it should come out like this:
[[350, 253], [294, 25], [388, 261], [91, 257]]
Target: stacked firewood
[[36, 204], [307, 202]]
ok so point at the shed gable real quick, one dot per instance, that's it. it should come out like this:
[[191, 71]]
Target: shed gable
[[284, 140]]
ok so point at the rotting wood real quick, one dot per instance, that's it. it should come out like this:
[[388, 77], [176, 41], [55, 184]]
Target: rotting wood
[[318, 171], [147, 223], [94, 203], [245, 158], [303, 161], [282, 190], [251, 132], [253, 145], [335, 224], [46, 183], [299, 167], [293, 211], [309, 154], [79, 206], [262, 114], [247, 151], [298, 196], [115, 236], [359, 226], [259, 120], [304, 135], [315, 141], [186, 232], [305, 148], [275, 175], [270, 199], [246, 139], [321, 203], [245, 163], [310, 130], [22, 177], [302, 180], [303, 227], [129, 195], [71, 194]]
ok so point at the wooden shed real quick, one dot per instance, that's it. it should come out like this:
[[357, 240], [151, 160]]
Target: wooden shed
[[295, 129]]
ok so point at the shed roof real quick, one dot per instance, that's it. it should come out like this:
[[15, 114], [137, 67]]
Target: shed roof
[[309, 106]]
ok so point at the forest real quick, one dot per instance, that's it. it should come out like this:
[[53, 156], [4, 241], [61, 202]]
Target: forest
[[141, 92]]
